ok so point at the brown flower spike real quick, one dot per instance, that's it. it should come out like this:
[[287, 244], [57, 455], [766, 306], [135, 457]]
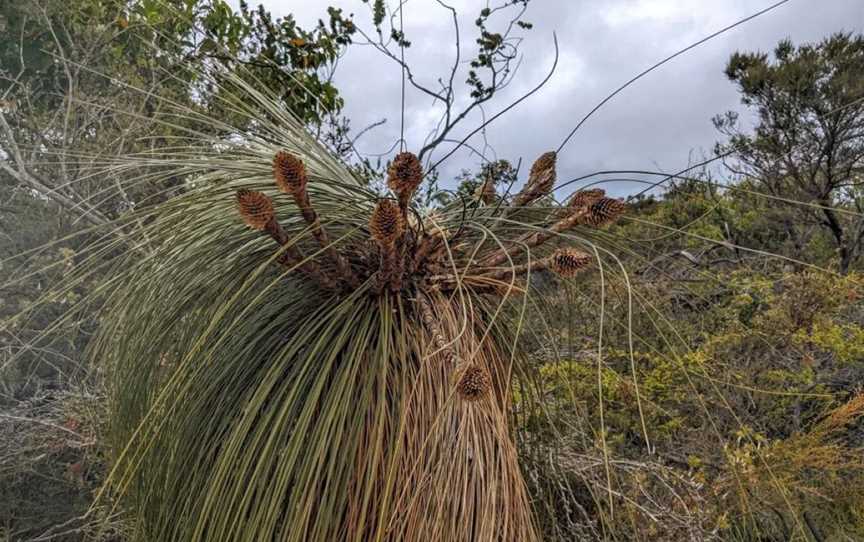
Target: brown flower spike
[[545, 163], [387, 223], [404, 176], [585, 198], [567, 262], [605, 211], [255, 208], [475, 384], [289, 173], [486, 192], [541, 179]]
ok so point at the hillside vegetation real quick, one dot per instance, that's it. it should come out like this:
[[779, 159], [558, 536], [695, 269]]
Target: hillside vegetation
[[516, 358]]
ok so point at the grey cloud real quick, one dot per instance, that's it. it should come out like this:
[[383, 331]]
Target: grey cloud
[[657, 122]]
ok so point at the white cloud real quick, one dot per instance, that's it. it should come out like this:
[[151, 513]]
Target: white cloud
[[625, 14]]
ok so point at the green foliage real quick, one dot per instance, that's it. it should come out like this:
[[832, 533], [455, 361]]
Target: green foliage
[[734, 376], [501, 173], [493, 50], [807, 143], [292, 62], [704, 384], [845, 342], [377, 12], [84, 82]]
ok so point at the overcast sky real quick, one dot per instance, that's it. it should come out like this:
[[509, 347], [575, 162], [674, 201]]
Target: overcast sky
[[657, 123]]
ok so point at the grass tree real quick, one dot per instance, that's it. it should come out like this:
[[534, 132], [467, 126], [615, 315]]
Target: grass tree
[[293, 356]]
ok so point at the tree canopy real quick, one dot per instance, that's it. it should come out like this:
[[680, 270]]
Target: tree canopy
[[808, 141]]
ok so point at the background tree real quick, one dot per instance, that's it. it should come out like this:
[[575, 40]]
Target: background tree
[[82, 78], [83, 82], [748, 372], [808, 142], [487, 70], [491, 176]]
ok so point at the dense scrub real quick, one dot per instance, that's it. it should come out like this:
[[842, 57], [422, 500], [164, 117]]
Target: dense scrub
[[704, 382], [749, 372]]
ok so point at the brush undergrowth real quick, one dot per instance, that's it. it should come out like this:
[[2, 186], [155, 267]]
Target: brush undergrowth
[[375, 373]]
